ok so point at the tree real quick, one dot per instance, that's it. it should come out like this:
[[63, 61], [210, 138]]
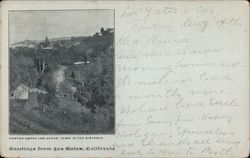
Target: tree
[[46, 42], [72, 75], [102, 31]]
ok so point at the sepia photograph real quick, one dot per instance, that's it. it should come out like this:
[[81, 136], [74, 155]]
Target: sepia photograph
[[61, 72]]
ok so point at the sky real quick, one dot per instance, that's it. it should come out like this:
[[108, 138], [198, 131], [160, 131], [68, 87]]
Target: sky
[[36, 25]]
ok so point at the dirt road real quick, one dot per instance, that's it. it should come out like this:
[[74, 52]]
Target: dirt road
[[58, 75]]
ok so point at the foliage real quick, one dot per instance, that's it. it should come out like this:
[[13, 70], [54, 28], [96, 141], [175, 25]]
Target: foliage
[[93, 81]]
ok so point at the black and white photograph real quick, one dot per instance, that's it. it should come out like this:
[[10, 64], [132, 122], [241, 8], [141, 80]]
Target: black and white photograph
[[61, 72]]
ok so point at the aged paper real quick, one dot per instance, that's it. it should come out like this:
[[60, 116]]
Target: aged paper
[[181, 79]]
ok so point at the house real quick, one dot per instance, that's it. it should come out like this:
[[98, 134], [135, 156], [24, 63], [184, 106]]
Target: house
[[31, 46], [78, 62], [77, 43], [48, 48], [23, 91], [81, 62], [110, 30], [36, 90]]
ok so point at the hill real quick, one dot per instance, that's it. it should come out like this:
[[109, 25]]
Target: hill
[[78, 69]]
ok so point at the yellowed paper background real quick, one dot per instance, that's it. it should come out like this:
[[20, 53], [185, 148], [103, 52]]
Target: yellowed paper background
[[182, 83]]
